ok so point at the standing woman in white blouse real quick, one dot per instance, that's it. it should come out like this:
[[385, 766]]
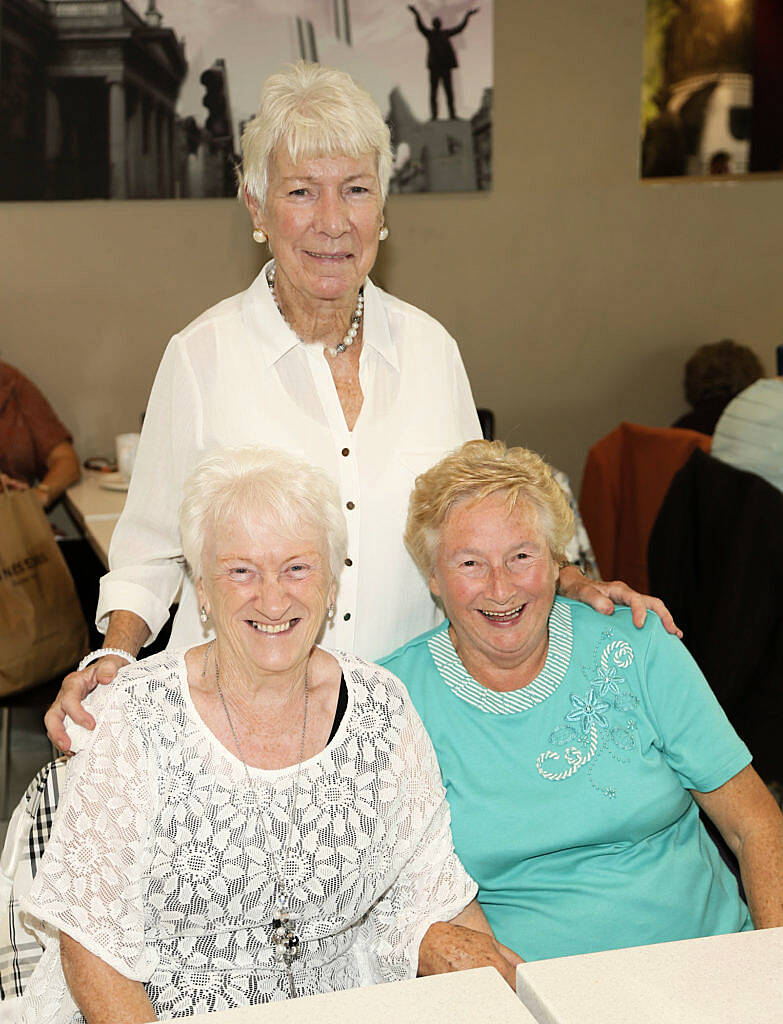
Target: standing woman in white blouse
[[312, 359]]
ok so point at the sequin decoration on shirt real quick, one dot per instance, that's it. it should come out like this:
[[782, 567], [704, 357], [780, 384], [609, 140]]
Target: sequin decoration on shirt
[[591, 729]]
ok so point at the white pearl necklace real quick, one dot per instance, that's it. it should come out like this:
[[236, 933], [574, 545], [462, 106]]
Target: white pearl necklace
[[353, 330]]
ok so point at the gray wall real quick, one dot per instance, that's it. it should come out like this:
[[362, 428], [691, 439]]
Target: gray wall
[[576, 292]]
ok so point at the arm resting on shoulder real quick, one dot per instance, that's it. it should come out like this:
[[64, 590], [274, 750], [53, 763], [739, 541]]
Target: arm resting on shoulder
[[127, 632], [464, 942], [751, 822], [603, 596], [103, 995]]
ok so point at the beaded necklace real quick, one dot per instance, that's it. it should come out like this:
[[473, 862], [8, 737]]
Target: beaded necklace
[[353, 330]]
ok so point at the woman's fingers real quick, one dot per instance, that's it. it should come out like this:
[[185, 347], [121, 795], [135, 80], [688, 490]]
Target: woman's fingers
[[13, 483], [640, 604], [603, 595], [76, 686], [55, 730]]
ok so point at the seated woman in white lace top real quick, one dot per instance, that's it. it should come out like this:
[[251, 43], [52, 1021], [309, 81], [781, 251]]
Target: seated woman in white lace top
[[258, 817]]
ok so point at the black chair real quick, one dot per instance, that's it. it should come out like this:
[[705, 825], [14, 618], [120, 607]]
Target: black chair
[[487, 422], [715, 557], [37, 697]]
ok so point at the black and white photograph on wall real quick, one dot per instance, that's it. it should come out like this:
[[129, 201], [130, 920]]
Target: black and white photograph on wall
[[146, 99], [712, 93]]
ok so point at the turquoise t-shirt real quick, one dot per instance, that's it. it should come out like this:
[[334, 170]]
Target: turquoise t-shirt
[[569, 797]]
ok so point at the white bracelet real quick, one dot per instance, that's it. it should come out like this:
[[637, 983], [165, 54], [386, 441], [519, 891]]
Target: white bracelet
[[88, 659]]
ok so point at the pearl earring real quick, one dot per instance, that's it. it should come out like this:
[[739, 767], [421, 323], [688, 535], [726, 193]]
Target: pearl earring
[[330, 613], [203, 615], [259, 236], [383, 234]]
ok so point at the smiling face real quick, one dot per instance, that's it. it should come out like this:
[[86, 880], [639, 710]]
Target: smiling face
[[322, 217], [496, 577], [266, 592]]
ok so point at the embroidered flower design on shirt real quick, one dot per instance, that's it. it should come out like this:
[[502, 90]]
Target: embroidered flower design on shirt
[[615, 656], [590, 728], [588, 709]]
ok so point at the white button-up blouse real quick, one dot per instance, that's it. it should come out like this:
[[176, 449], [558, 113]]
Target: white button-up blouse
[[237, 375]]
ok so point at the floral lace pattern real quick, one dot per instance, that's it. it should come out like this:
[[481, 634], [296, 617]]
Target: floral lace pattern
[[599, 721], [158, 863]]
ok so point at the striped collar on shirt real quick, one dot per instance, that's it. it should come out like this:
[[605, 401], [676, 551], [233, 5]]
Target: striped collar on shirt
[[464, 686]]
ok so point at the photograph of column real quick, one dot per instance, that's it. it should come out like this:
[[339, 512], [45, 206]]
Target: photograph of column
[[140, 99]]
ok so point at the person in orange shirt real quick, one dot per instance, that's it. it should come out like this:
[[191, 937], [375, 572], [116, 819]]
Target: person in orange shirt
[[35, 448]]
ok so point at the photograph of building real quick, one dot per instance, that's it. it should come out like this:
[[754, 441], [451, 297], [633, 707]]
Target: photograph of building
[[112, 99]]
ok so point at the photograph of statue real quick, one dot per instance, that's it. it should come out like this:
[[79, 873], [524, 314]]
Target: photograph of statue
[[146, 99]]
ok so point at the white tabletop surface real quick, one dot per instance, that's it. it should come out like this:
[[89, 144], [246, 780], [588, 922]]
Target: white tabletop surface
[[724, 979], [96, 510], [467, 997]]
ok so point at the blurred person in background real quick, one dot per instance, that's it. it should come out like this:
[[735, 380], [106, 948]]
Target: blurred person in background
[[35, 448], [749, 433], [714, 374]]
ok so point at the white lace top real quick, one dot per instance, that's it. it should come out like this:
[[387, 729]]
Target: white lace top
[[157, 861]]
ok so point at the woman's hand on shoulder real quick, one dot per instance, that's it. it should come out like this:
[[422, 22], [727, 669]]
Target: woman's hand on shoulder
[[74, 690], [603, 596]]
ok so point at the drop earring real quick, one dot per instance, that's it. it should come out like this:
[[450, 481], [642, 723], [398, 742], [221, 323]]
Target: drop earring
[[383, 234], [203, 615], [330, 613], [259, 236]]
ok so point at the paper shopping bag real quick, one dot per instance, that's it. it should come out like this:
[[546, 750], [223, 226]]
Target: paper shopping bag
[[42, 629]]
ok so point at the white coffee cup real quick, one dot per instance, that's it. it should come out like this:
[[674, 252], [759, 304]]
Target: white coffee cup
[[125, 446]]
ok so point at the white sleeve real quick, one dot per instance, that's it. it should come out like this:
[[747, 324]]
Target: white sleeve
[[432, 884], [91, 878], [145, 555]]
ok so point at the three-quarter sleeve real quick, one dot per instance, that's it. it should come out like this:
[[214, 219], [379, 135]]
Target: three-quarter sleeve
[[146, 555], [90, 881], [432, 885]]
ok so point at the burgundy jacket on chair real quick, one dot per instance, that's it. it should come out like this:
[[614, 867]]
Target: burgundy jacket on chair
[[627, 474]]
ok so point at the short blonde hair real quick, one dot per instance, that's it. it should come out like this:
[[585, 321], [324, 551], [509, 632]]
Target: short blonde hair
[[313, 111], [473, 472], [244, 483]]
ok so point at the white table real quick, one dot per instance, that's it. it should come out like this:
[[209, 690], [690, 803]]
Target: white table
[[468, 997], [724, 979], [96, 511]]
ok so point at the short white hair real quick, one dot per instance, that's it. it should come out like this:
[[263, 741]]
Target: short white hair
[[313, 111], [244, 483]]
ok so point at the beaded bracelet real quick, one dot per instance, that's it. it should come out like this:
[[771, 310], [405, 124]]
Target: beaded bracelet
[[95, 655]]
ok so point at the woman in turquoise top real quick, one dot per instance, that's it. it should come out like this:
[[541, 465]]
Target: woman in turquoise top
[[576, 750]]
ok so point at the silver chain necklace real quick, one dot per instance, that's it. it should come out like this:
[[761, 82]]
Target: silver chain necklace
[[285, 939], [353, 330]]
